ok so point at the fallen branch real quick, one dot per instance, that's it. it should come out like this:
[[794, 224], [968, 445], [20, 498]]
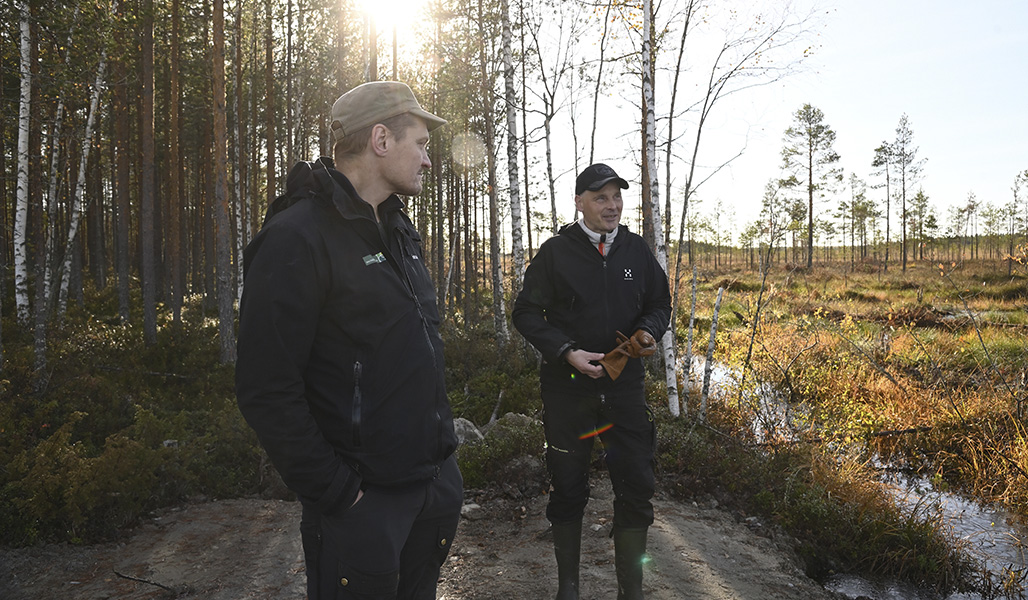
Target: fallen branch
[[889, 432], [157, 373], [131, 578]]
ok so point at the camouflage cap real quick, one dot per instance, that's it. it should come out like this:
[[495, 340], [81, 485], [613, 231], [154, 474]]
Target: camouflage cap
[[373, 102]]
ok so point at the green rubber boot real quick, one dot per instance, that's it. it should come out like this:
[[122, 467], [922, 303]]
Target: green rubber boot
[[567, 546], [629, 555]]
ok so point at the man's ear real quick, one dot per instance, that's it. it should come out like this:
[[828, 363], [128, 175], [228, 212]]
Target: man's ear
[[379, 142], [578, 203]]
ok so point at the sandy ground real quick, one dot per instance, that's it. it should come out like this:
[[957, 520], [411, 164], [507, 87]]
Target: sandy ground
[[240, 549]]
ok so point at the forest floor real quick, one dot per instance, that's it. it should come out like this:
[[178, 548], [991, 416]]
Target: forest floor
[[250, 548]]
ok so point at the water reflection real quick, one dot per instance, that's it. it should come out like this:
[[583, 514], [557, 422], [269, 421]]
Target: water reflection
[[992, 536]]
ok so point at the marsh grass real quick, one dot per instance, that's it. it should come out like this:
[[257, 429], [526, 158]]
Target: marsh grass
[[924, 368], [836, 513]]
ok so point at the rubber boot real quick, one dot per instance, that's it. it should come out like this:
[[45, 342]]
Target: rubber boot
[[629, 554], [567, 546]]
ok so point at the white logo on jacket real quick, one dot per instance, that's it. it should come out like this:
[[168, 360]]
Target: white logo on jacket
[[628, 275]]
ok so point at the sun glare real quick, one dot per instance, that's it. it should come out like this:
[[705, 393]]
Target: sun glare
[[404, 15]]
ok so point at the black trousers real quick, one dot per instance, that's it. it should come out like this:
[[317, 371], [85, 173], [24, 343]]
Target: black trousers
[[389, 545], [626, 428]]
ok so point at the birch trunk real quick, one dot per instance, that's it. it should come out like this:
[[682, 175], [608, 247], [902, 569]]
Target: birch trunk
[[517, 243], [51, 197], [80, 186], [240, 174], [599, 80], [21, 213], [495, 239], [549, 175], [524, 128], [667, 341], [709, 363], [692, 324]]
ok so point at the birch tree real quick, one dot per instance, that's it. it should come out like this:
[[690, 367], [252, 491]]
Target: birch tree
[[495, 239], [554, 52], [517, 243], [21, 211], [599, 78], [749, 56], [240, 152], [269, 107], [755, 51], [658, 240], [77, 198]]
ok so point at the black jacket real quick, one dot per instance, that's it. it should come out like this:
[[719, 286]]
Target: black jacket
[[573, 297], [340, 368]]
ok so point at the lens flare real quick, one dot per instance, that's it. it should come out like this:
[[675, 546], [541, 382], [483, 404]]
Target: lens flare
[[596, 432], [468, 150]]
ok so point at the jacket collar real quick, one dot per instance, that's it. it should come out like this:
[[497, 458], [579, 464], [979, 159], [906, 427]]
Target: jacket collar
[[351, 206], [595, 237], [573, 230]]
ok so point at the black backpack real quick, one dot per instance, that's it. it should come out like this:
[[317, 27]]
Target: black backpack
[[301, 182]]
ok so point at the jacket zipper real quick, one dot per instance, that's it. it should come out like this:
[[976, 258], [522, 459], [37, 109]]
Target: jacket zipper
[[428, 339], [356, 414], [606, 290]]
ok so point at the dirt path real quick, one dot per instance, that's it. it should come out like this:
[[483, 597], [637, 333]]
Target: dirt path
[[250, 549]]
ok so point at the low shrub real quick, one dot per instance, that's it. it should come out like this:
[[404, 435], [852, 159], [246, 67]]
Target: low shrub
[[840, 519], [511, 439]]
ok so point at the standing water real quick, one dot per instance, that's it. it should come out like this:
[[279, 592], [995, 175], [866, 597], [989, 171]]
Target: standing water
[[994, 537]]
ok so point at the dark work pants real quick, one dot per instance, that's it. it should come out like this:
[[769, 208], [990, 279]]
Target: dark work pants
[[626, 428], [389, 545]]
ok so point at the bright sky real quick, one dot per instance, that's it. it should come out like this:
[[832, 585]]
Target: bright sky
[[958, 70]]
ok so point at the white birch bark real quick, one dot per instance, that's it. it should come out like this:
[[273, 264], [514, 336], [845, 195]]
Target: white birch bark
[[692, 324], [50, 208], [517, 242], [51, 197], [76, 205], [21, 212], [667, 341], [237, 134], [709, 363], [549, 177]]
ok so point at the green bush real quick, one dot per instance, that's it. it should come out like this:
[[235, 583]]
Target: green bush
[[511, 437]]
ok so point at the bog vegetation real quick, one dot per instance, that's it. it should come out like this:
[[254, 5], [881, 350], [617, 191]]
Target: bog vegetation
[[923, 370]]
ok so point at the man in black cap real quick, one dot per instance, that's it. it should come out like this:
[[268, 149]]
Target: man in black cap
[[587, 289], [340, 369]]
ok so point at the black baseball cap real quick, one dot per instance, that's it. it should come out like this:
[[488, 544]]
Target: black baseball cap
[[595, 177]]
